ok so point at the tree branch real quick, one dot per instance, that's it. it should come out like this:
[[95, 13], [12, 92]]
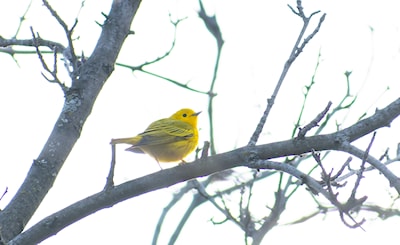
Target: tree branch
[[70, 54], [77, 107], [314, 122], [389, 175], [203, 167], [213, 27], [30, 43], [293, 55]]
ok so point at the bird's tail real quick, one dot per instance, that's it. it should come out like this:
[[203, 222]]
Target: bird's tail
[[132, 141]]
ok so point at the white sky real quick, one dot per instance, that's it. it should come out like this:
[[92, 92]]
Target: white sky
[[259, 36]]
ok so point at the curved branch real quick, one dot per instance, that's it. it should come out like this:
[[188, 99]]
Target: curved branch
[[389, 175], [202, 167]]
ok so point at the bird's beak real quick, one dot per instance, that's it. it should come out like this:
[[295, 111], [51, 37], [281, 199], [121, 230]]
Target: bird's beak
[[195, 114]]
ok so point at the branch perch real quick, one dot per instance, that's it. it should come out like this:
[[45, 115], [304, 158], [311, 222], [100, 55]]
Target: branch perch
[[213, 164]]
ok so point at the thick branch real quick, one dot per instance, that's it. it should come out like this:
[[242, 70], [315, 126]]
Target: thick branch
[[77, 107], [202, 167]]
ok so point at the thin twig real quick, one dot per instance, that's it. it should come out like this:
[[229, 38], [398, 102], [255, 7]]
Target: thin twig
[[389, 175], [385, 155], [340, 172], [55, 62], [167, 53], [245, 214], [341, 106], [326, 178], [36, 45], [22, 18], [159, 58], [110, 177], [313, 123], [273, 218], [344, 209], [200, 188], [179, 84], [296, 50], [204, 152], [352, 202], [53, 72], [197, 200], [362, 167], [306, 94], [212, 26], [175, 199], [71, 56], [367, 169], [4, 193]]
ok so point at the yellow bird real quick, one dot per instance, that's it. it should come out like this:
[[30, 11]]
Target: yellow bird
[[167, 140]]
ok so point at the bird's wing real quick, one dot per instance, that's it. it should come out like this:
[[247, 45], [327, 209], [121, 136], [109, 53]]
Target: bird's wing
[[165, 131]]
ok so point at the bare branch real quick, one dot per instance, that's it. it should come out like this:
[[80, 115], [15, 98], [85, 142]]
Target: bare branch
[[245, 215], [10, 50], [185, 86], [166, 54], [38, 41], [326, 178], [340, 172], [213, 27], [390, 176], [305, 179], [367, 169], [211, 24], [383, 213], [272, 219], [71, 54], [313, 123], [344, 209], [53, 72], [294, 54], [175, 199], [213, 164], [225, 210], [356, 224], [67, 129], [307, 217], [158, 59], [341, 106], [197, 200], [385, 155], [110, 177], [204, 152], [362, 168], [311, 36], [306, 94], [216, 163], [398, 150], [4, 193]]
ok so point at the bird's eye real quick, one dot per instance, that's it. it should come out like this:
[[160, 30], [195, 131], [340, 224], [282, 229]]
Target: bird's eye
[[184, 115]]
